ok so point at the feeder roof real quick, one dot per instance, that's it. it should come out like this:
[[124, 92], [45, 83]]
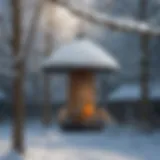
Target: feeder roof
[[80, 54]]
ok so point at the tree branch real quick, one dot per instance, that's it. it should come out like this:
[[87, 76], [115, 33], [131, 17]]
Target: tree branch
[[118, 24], [31, 34]]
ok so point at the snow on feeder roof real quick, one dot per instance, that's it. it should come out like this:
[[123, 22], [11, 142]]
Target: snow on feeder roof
[[79, 58], [80, 54]]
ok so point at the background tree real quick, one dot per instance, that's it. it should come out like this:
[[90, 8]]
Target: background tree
[[47, 105], [60, 27], [21, 52], [145, 109], [18, 98]]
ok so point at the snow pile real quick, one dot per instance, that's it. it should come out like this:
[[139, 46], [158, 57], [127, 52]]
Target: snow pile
[[12, 155], [131, 92], [80, 54], [115, 143]]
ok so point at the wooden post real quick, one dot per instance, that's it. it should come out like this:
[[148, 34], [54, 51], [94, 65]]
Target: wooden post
[[47, 106], [82, 91]]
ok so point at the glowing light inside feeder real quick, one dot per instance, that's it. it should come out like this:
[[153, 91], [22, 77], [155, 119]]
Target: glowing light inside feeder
[[88, 111]]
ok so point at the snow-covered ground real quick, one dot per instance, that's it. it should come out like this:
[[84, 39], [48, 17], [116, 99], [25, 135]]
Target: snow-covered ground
[[113, 144]]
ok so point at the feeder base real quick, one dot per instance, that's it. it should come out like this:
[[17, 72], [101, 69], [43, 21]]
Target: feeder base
[[96, 124], [69, 126]]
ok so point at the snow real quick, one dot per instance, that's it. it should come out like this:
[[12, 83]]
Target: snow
[[115, 143], [11, 155], [80, 54], [65, 25], [131, 92]]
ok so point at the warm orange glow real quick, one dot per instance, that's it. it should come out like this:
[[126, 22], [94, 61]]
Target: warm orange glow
[[88, 111]]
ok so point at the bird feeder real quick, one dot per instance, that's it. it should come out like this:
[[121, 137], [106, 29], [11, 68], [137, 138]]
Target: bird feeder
[[81, 60]]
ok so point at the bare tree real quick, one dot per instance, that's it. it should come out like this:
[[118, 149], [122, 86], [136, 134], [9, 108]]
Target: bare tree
[[145, 61], [47, 106], [19, 67], [18, 101], [61, 27]]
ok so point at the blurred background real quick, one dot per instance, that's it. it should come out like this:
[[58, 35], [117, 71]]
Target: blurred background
[[30, 30], [45, 27]]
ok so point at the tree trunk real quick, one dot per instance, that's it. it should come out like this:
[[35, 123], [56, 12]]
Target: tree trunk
[[144, 79], [18, 104], [104, 91], [47, 106], [18, 110]]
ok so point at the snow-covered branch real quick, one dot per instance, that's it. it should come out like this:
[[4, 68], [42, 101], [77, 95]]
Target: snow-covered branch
[[114, 23]]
